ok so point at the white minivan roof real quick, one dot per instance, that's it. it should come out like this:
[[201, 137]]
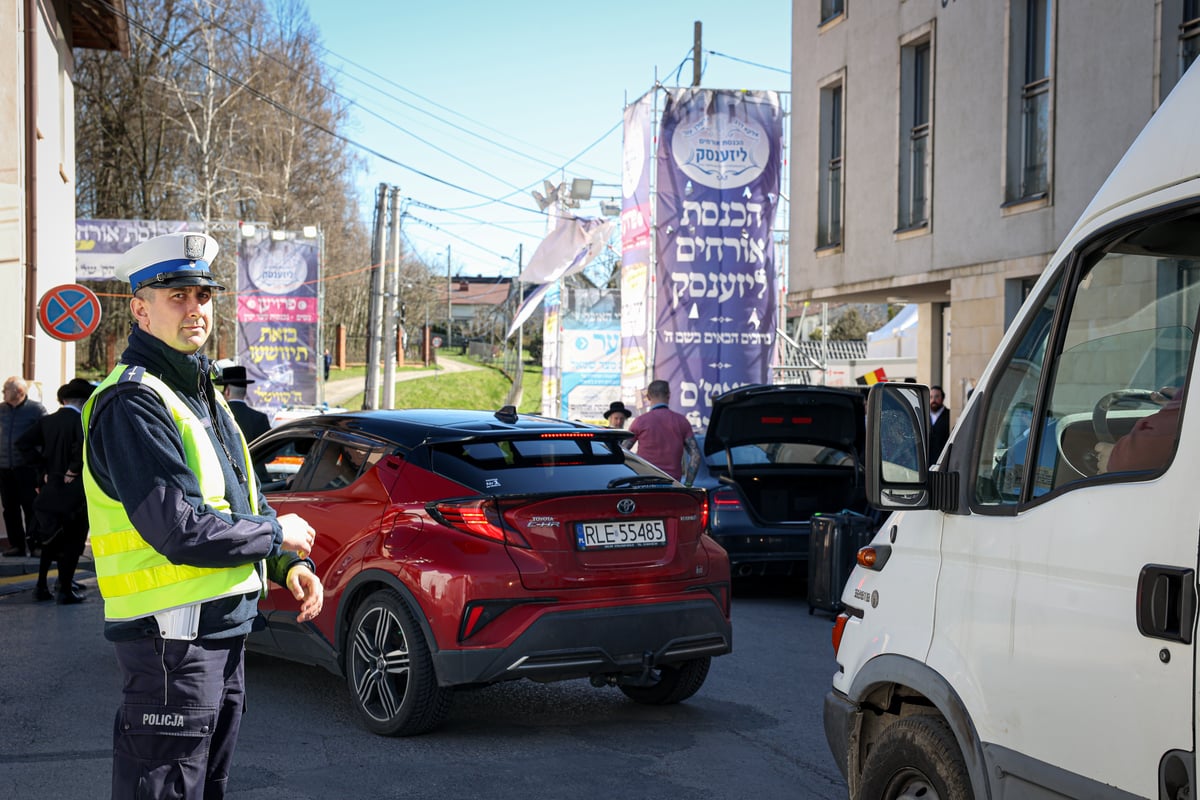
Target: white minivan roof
[[1163, 155]]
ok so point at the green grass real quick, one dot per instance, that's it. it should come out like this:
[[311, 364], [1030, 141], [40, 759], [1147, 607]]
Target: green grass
[[484, 388]]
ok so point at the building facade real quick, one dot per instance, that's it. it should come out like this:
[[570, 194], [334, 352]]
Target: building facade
[[37, 169], [941, 149]]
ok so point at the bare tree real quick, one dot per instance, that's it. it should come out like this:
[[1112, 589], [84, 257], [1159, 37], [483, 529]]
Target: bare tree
[[221, 112]]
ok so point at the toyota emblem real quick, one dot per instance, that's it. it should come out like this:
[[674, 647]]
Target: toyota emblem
[[626, 506]]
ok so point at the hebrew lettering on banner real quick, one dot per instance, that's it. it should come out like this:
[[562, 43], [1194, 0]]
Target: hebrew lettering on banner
[[278, 317], [589, 353], [719, 172], [98, 242]]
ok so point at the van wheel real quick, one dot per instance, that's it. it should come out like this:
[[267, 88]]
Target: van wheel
[[672, 684], [389, 671], [916, 757]]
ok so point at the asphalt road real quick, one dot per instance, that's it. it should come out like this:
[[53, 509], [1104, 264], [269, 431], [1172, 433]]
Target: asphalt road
[[754, 729]]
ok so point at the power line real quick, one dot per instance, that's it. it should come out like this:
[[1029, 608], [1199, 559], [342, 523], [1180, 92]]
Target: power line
[[453, 235], [749, 63], [306, 120], [332, 90], [581, 153]]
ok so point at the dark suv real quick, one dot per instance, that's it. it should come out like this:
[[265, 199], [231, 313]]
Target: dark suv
[[773, 457]]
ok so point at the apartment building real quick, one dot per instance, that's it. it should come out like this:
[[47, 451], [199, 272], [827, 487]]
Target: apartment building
[[941, 149]]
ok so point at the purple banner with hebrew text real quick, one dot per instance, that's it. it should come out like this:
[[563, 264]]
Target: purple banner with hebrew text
[[278, 317], [719, 170]]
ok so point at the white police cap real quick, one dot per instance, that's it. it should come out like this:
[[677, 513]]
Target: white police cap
[[173, 259]]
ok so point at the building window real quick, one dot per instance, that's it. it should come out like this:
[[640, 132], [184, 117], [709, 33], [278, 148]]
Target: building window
[[831, 9], [1189, 35], [1029, 100], [915, 156], [829, 221]]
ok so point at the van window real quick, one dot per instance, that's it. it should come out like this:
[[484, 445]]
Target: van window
[[1000, 472], [1115, 393]]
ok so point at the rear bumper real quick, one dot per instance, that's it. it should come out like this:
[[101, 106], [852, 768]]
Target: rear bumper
[[572, 644], [763, 553]]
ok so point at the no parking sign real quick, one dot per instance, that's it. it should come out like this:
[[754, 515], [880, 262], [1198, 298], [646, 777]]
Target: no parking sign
[[69, 312]]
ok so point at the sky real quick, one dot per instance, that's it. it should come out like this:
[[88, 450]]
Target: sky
[[487, 99]]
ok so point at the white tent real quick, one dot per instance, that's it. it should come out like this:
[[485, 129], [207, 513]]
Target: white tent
[[897, 339]]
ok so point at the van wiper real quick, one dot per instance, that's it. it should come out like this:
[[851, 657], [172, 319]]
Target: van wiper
[[640, 480]]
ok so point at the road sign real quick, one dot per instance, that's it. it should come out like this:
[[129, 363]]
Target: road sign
[[69, 312]]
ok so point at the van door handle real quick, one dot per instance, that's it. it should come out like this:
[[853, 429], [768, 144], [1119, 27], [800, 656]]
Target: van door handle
[[1166, 602]]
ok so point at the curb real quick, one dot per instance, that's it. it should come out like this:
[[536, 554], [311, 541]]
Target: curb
[[12, 566]]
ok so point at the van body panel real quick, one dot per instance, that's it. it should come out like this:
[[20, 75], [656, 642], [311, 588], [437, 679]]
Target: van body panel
[[898, 601], [1042, 607]]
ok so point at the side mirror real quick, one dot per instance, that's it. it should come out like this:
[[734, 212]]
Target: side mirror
[[897, 446]]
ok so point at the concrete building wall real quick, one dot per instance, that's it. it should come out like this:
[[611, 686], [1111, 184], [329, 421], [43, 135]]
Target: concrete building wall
[[12, 192], [1105, 63]]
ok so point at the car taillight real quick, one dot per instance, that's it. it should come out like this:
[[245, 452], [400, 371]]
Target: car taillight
[[704, 512], [476, 517], [839, 627], [727, 498]]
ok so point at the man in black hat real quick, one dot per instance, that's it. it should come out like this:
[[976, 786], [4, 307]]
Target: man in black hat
[[617, 414], [55, 445], [253, 423]]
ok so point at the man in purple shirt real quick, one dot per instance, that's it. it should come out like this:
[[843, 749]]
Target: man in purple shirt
[[662, 435]]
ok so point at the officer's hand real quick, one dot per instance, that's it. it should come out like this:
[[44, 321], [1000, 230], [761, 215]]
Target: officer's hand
[[298, 535], [306, 587]]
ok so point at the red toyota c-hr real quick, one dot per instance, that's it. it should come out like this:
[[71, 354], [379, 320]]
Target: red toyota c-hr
[[467, 547]]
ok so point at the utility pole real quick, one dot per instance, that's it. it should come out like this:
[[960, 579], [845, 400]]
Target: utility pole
[[375, 311], [520, 302], [449, 301], [518, 387], [696, 50], [391, 308]]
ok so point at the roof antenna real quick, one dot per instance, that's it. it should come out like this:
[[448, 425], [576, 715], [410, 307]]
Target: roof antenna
[[507, 414]]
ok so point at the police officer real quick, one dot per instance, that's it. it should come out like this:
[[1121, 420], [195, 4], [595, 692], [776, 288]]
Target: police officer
[[181, 534]]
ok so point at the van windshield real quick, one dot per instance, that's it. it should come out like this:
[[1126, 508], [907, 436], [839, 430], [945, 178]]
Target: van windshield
[[1125, 354]]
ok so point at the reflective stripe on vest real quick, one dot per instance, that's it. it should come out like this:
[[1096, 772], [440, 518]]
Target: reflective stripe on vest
[[134, 578]]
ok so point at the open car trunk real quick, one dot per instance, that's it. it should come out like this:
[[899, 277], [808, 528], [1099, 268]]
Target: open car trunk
[[777, 496], [792, 451]]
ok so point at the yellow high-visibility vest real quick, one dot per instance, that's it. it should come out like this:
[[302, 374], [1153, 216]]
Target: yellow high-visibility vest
[[134, 578]]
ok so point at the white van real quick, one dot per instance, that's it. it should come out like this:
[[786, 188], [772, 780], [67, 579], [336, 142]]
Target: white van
[[1023, 625]]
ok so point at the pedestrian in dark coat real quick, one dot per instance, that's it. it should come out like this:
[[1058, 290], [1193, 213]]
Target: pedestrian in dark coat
[[55, 445], [253, 422], [939, 423], [18, 478]]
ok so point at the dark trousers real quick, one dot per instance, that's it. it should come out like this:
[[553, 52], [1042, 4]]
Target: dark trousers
[[177, 727], [66, 548], [18, 488]]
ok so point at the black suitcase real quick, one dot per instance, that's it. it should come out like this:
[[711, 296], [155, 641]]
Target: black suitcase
[[833, 544]]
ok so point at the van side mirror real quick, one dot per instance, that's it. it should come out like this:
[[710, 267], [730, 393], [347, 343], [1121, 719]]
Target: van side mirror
[[897, 446]]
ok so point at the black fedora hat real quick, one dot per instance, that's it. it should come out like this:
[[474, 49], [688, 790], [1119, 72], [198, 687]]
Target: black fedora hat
[[617, 407], [233, 375], [75, 389]]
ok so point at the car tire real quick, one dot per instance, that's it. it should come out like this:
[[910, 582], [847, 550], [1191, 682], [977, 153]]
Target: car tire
[[915, 757], [674, 683], [389, 670]]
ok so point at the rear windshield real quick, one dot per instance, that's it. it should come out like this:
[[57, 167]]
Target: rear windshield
[[520, 466]]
